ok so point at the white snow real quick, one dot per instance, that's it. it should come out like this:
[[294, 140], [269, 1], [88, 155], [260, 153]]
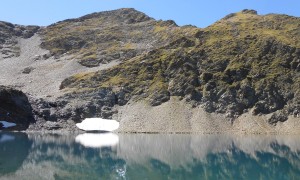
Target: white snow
[[6, 137], [7, 124], [97, 140], [98, 124]]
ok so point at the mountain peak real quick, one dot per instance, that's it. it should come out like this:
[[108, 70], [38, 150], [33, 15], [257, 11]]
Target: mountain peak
[[249, 11], [243, 12], [127, 15]]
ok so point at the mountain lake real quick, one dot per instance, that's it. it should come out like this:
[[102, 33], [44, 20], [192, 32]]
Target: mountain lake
[[148, 156]]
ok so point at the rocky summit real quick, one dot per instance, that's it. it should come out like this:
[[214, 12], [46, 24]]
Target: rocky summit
[[244, 70]]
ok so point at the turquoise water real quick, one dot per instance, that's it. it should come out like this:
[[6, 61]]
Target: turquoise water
[[148, 156]]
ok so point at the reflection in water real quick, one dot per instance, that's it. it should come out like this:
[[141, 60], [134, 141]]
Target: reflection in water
[[14, 149], [95, 140], [6, 137], [146, 156]]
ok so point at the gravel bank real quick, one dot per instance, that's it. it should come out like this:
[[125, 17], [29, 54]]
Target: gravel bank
[[43, 75], [176, 116]]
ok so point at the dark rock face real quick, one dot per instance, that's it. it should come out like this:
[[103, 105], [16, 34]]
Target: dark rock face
[[15, 108], [160, 98], [249, 11], [277, 117], [68, 110]]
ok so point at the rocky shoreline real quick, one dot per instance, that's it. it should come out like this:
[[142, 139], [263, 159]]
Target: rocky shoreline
[[174, 116]]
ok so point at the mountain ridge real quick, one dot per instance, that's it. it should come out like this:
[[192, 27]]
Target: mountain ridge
[[243, 63], [233, 72]]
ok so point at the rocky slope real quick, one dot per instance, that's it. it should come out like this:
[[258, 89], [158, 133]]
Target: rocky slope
[[100, 38], [243, 64], [9, 35]]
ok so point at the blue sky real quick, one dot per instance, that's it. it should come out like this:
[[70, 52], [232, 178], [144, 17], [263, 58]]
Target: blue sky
[[196, 12]]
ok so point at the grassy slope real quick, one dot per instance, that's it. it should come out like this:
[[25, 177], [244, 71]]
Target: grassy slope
[[114, 35], [242, 61]]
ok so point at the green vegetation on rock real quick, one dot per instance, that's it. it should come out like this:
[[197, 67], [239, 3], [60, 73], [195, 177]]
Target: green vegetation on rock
[[100, 38], [244, 61]]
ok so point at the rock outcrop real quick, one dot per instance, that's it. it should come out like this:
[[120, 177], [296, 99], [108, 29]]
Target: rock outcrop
[[15, 108], [9, 34]]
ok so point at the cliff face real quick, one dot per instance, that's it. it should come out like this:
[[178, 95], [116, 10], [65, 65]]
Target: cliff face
[[244, 62]]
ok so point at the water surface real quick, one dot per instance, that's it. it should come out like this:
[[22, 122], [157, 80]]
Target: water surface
[[148, 156]]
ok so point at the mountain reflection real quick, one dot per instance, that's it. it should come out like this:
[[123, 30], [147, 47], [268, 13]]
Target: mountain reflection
[[154, 156], [14, 149]]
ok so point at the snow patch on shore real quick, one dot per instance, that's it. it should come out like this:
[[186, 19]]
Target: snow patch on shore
[[7, 124], [98, 124]]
